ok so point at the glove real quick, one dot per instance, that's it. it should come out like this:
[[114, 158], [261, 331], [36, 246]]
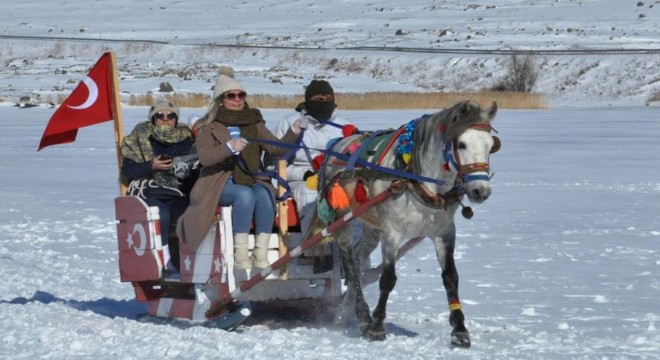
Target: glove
[[300, 124]]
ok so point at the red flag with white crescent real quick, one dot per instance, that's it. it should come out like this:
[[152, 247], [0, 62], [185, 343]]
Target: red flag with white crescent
[[90, 103]]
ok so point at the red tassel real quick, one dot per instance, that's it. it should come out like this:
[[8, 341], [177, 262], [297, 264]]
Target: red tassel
[[349, 130], [445, 166], [337, 197], [317, 162], [361, 193]]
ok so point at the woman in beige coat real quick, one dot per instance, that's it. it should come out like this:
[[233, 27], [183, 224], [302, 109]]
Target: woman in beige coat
[[229, 163]]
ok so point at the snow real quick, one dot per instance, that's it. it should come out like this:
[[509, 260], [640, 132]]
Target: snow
[[562, 262], [276, 47]]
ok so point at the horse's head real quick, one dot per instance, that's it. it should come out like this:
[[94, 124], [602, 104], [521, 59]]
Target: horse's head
[[468, 145]]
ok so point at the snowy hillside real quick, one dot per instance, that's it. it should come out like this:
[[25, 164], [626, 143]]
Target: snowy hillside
[[277, 47]]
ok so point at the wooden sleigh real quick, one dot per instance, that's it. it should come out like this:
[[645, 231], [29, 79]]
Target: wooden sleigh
[[207, 274]]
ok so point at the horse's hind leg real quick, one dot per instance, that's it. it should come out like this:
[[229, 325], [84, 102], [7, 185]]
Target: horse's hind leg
[[445, 251], [366, 245], [354, 292]]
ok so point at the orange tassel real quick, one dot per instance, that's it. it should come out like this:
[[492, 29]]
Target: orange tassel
[[361, 193], [337, 197]]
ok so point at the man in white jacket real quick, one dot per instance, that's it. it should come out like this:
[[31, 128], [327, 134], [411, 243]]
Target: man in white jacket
[[319, 108]]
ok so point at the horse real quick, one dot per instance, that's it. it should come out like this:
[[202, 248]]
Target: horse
[[437, 160]]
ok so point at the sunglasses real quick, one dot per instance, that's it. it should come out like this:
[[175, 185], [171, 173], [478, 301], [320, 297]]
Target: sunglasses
[[239, 95], [170, 116]]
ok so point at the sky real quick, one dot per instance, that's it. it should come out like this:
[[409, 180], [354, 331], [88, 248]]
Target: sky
[[562, 262]]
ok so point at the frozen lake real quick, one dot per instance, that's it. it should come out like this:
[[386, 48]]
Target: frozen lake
[[563, 261]]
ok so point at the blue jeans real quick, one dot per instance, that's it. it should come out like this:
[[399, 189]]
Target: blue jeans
[[249, 202]]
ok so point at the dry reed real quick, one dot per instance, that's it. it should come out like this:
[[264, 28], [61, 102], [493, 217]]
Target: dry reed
[[360, 101]]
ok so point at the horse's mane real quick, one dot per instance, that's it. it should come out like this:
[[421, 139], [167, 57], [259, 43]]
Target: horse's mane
[[444, 125]]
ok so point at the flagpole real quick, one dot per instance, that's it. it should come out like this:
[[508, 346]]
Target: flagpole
[[118, 119]]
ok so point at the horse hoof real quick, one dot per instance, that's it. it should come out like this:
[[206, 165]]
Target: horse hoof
[[460, 339], [373, 335], [364, 328]]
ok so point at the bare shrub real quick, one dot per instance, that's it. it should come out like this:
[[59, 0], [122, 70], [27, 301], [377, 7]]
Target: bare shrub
[[522, 73]]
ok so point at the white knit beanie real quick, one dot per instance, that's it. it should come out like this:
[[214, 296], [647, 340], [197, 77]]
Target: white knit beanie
[[224, 84]]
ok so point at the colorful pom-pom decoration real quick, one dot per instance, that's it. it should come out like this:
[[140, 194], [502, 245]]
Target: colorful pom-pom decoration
[[317, 162], [405, 145], [326, 214], [353, 147], [361, 193], [349, 130], [312, 182], [337, 197]]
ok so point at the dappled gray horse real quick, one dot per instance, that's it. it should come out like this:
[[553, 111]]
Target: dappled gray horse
[[446, 156]]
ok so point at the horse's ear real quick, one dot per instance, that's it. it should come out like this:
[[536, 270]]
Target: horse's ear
[[496, 145], [465, 107], [493, 110]]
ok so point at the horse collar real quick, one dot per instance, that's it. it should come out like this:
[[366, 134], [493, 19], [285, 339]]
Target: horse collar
[[430, 199]]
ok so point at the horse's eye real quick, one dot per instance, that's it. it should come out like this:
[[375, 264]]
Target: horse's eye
[[461, 145]]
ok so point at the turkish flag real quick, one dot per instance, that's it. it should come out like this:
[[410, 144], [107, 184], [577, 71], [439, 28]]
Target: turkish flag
[[90, 103]]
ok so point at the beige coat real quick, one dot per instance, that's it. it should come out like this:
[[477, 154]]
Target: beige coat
[[215, 158]]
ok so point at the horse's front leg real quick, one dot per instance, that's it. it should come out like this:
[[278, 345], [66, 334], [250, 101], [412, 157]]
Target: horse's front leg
[[445, 252], [387, 281]]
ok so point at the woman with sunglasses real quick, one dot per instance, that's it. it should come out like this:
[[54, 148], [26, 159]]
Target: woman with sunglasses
[[230, 154], [157, 168]]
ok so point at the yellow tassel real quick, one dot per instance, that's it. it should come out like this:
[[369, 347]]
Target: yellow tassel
[[406, 158], [312, 182], [337, 198]]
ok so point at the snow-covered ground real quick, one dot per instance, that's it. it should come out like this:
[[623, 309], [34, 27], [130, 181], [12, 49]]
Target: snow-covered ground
[[562, 262], [276, 46]]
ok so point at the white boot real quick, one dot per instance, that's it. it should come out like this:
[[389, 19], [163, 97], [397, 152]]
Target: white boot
[[241, 258], [260, 252]]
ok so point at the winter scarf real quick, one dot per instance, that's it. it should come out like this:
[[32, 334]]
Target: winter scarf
[[247, 120], [137, 147]]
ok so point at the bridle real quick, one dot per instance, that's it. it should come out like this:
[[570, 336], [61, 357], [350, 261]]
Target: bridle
[[466, 172]]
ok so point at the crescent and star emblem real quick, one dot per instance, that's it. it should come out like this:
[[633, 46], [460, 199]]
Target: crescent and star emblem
[[91, 97], [139, 228]]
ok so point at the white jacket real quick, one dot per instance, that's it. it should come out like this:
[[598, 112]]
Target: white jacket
[[316, 136]]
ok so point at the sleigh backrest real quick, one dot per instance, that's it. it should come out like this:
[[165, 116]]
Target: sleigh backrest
[[138, 239]]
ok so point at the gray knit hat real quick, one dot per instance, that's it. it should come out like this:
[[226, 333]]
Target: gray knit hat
[[161, 105]]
